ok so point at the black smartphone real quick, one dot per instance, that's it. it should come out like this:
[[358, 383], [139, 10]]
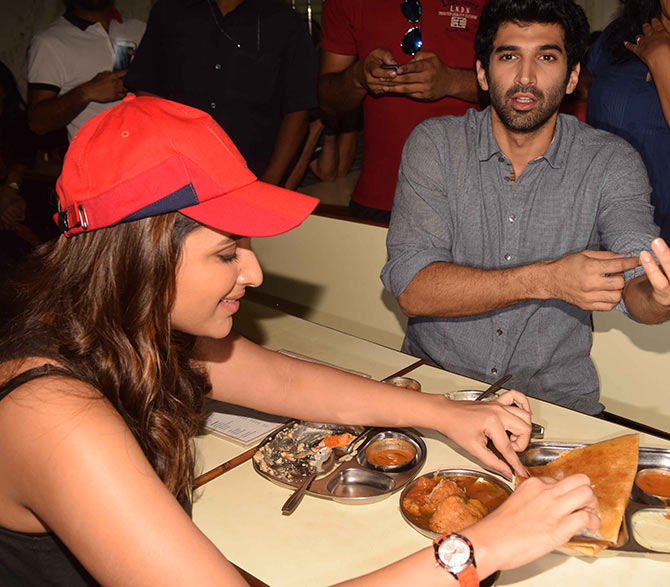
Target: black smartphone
[[392, 66]]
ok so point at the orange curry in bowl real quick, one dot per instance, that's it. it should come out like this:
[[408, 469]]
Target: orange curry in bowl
[[445, 503]]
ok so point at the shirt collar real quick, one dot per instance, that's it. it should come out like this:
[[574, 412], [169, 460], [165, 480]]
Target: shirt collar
[[488, 146], [77, 21], [83, 24]]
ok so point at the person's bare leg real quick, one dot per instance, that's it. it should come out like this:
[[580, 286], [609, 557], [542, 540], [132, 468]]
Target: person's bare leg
[[346, 149], [298, 172], [325, 167]]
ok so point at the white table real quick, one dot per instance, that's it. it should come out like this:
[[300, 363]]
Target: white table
[[324, 542]]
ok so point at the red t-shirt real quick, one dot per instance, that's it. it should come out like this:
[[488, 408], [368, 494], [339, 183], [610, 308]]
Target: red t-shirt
[[356, 27]]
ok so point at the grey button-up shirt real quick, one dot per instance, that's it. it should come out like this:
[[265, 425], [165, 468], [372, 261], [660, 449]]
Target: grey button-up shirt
[[455, 202]]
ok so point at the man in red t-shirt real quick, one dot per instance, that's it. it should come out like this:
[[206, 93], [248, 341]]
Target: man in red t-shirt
[[358, 37]]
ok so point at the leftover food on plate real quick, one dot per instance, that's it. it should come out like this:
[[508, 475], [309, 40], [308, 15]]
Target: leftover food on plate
[[611, 465], [296, 450], [444, 502], [336, 440]]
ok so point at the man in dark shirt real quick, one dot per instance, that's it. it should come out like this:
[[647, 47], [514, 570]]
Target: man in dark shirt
[[250, 64]]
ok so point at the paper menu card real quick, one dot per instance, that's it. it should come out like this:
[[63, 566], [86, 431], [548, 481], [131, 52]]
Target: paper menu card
[[239, 424]]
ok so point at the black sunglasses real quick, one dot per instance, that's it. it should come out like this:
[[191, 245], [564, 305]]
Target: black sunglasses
[[411, 41]]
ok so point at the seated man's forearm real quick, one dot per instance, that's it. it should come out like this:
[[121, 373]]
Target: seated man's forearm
[[449, 290]]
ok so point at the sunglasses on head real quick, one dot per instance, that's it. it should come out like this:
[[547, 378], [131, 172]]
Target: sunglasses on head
[[411, 41]]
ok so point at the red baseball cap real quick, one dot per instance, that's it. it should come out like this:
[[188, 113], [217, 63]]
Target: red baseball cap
[[149, 156]]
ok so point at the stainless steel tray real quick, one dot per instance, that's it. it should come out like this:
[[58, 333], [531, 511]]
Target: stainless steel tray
[[541, 453], [351, 479]]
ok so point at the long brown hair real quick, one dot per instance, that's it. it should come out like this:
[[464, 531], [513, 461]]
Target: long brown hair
[[99, 304]]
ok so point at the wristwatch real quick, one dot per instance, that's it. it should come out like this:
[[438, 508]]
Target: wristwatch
[[455, 553]]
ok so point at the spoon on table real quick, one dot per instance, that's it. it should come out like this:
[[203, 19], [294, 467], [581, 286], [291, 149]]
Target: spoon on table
[[323, 460]]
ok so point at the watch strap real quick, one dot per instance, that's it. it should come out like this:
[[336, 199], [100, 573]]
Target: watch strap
[[468, 577]]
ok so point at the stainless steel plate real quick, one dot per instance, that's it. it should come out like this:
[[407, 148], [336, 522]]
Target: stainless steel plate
[[352, 479], [541, 453]]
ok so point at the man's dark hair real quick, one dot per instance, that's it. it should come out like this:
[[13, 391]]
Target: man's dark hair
[[566, 13]]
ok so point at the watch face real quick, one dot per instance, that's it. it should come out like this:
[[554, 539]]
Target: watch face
[[454, 554]]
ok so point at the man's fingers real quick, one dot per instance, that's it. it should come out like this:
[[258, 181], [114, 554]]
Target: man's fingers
[[656, 276], [612, 266], [603, 254]]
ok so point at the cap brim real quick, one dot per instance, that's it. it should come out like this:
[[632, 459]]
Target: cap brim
[[258, 209]]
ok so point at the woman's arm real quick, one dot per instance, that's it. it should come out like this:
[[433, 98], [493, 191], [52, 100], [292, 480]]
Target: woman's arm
[[69, 463], [244, 373]]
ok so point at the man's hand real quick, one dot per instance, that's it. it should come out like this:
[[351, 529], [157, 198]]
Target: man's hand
[[107, 86], [371, 76], [659, 277], [425, 77], [591, 280]]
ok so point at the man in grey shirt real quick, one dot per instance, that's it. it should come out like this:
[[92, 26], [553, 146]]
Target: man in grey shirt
[[511, 225]]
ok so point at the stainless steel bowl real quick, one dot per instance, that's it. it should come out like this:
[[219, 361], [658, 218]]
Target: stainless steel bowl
[[467, 395], [390, 439], [450, 474], [645, 496], [404, 382]]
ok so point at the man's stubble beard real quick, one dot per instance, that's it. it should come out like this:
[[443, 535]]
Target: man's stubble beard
[[526, 121]]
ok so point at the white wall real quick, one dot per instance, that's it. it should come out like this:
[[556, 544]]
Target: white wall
[[599, 12], [21, 19]]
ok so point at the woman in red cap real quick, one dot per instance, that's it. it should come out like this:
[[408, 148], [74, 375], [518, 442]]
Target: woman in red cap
[[115, 333]]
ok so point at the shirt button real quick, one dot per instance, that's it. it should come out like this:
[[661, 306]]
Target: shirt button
[[212, 105], [499, 331], [217, 66], [501, 159], [508, 257], [512, 218], [494, 370], [507, 178]]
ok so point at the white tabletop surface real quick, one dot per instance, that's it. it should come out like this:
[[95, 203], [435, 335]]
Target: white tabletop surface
[[324, 542]]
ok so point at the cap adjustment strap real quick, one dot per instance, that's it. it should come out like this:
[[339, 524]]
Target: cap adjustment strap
[[65, 217]]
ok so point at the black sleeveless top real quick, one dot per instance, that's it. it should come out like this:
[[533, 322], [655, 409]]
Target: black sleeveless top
[[32, 558]]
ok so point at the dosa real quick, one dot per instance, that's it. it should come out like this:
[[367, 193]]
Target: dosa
[[611, 465]]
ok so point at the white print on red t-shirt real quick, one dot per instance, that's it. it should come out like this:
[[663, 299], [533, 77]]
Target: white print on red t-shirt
[[460, 14]]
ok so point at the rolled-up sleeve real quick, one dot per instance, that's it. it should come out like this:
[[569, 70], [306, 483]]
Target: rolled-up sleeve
[[420, 231], [626, 216]]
